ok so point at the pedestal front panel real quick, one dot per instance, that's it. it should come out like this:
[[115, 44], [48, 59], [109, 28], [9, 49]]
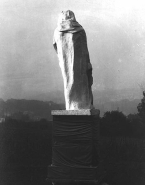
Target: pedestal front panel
[[75, 145]]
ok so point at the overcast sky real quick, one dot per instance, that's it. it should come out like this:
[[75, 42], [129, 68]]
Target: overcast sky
[[28, 63]]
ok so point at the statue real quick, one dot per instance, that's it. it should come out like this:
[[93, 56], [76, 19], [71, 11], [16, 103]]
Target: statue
[[70, 43]]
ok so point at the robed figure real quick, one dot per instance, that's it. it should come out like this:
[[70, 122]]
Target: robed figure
[[70, 44]]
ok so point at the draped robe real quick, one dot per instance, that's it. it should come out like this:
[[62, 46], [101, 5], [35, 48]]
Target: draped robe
[[70, 44]]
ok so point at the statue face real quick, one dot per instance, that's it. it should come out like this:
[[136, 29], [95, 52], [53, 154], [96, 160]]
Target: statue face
[[67, 15]]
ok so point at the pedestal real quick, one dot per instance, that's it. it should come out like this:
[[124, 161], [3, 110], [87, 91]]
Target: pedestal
[[75, 146]]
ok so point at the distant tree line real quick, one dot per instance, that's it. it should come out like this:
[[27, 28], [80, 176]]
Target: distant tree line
[[27, 110], [115, 123]]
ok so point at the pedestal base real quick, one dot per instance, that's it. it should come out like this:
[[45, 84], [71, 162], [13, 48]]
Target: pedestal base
[[72, 174], [75, 146]]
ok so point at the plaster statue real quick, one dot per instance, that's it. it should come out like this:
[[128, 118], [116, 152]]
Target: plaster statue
[[70, 43]]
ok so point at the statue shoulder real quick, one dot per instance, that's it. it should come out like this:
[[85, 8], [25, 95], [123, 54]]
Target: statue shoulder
[[83, 32], [57, 33]]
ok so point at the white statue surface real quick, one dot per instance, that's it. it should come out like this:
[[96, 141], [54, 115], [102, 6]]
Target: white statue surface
[[70, 43]]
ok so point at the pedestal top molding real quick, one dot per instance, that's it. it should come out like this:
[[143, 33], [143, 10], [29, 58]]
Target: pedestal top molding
[[85, 112]]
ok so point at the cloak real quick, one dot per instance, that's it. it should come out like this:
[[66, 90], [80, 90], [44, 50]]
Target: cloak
[[70, 43]]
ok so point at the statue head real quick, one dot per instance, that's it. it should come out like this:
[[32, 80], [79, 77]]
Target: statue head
[[66, 16], [67, 22]]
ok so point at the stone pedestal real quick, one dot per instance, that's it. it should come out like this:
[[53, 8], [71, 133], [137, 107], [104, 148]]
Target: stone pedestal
[[75, 146]]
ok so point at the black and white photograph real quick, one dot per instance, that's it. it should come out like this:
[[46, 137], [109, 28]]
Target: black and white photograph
[[72, 92]]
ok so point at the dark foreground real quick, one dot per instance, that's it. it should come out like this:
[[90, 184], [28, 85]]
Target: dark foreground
[[25, 153]]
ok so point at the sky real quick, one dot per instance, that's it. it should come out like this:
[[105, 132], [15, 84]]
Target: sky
[[29, 65]]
